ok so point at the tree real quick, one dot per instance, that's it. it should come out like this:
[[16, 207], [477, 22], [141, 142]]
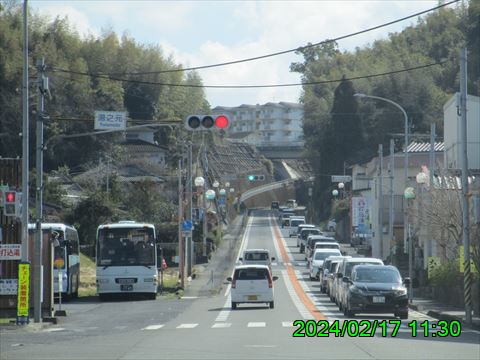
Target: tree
[[439, 211]]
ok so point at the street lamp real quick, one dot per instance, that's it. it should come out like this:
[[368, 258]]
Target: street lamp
[[200, 183], [409, 194], [405, 155]]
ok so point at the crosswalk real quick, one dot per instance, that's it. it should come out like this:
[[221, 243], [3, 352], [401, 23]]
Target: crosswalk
[[402, 328]]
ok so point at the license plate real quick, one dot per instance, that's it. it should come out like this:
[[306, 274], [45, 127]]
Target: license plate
[[126, 281], [126, 287], [252, 297], [378, 299]]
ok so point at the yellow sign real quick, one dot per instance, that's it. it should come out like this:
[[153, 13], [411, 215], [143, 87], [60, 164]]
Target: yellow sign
[[23, 289], [462, 260], [433, 263]]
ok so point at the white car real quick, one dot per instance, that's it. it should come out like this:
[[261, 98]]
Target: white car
[[317, 260], [252, 284], [257, 257]]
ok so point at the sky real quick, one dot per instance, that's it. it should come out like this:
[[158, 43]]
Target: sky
[[197, 33]]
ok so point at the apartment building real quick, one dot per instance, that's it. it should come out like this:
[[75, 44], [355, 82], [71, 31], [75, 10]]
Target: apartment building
[[269, 125]]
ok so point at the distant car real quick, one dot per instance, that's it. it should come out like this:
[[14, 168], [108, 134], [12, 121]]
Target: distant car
[[332, 225], [299, 229], [318, 258], [320, 245], [252, 284], [376, 289], [312, 240], [332, 273], [275, 205], [257, 257], [294, 222], [303, 235], [328, 266], [285, 218]]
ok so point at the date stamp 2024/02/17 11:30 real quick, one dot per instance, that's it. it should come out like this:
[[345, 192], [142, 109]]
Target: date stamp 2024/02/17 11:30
[[370, 328]]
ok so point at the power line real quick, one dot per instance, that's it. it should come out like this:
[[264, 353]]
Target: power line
[[271, 54], [423, 66]]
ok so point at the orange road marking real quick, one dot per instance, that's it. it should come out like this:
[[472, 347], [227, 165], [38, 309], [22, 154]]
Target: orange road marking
[[293, 278]]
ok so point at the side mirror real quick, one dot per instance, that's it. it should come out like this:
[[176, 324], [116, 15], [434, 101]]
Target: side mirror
[[273, 259], [274, 278], [229, 278], [240, 259]]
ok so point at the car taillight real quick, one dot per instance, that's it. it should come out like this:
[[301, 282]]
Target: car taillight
[[234, 283], [270, 282]]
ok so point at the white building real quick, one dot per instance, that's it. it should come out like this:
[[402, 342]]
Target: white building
[[452, 122], [269, 125]]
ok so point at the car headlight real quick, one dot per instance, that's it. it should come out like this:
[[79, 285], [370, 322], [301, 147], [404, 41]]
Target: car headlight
[[399, 291], [357, 291]]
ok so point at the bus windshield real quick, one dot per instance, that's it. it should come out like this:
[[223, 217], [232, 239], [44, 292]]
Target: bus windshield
[[126, 247]]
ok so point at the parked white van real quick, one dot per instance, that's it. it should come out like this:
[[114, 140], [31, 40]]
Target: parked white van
[[294, 222]]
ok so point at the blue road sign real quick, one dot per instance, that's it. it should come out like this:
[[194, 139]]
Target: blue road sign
[[187, 225]]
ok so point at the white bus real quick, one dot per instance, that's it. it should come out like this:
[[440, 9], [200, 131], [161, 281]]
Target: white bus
[[66, 257], [126, 259]]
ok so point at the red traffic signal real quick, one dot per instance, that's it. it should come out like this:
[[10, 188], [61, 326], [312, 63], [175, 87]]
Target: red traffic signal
[[10, 197], [206, 122]]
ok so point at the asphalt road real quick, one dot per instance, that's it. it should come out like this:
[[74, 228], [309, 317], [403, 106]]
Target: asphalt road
[[206, 327]]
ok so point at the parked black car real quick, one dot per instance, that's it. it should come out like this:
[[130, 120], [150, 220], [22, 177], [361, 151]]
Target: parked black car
[[377, 289]]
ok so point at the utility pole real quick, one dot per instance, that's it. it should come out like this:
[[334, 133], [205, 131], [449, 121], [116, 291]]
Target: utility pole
[[189, 238], [380, 201], [25, 137], [391, 219], [467, 276], [181, 254], [38, 278]]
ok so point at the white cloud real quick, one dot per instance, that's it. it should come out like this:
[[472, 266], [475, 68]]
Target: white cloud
[[209, 32]]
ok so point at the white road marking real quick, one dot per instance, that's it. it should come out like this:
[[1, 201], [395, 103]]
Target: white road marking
[[187, 326], [55, 329], [257, 324], [223, 315], [287, 323], [221, 325], [304, 313], [153, 327]]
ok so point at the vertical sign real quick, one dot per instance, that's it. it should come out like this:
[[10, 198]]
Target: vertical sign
[[23, 292], [360, 212]]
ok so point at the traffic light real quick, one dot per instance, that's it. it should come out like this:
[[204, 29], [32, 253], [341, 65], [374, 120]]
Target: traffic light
[[256, 177], [10, 204], [206, 122]]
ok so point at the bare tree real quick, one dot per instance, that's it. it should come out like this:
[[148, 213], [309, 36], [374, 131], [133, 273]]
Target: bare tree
[[438, 208]]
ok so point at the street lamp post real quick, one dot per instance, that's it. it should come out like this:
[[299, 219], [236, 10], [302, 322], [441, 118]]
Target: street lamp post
[[200, 183], [405, 230]]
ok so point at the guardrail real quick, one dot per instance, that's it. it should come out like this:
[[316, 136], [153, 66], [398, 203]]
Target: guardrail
[[265, 188]]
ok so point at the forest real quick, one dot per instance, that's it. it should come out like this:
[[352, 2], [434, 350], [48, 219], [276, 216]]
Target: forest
[[417, 67]]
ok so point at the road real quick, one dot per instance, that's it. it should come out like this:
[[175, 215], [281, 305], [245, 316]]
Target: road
[[206, 327]]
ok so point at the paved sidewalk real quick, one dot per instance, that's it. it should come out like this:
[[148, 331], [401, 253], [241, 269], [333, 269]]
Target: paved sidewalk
[[210, 278], [443, 312]]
